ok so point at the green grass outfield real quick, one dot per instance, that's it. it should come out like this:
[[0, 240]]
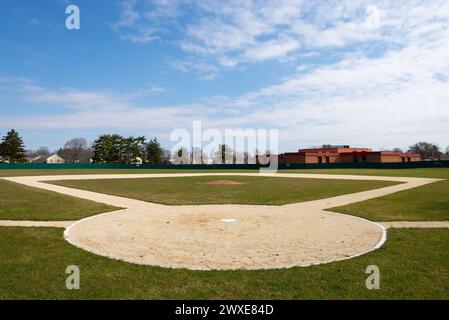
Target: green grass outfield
[[19, 202], [251, 190], [413, 265]]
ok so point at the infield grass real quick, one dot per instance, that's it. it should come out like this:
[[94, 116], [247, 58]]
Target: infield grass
[[429, 202], [198, 190]]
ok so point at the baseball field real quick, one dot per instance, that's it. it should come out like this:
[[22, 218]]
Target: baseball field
[[228, 234]]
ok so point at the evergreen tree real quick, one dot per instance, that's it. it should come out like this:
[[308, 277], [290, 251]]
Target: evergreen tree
[[107, 149], [154, 152], [117, 149], [12, 148], [131, 148]]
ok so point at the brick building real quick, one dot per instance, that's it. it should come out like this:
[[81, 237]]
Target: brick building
[[345, 154]]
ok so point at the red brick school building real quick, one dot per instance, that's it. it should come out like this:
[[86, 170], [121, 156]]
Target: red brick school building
[[345, 154]]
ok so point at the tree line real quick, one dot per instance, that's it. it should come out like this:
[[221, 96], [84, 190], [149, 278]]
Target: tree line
[[115, 148], [107, 148]]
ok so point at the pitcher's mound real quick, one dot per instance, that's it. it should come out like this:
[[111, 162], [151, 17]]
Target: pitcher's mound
[[224, 182]]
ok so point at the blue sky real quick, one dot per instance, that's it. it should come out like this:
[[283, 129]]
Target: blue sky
[[365, 73]]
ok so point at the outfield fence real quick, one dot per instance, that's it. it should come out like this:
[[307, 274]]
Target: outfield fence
[[399, 165]]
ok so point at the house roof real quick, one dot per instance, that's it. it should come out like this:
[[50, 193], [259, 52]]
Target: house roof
[[55, 156]]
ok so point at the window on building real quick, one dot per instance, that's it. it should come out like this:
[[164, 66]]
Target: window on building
[[328, 160]]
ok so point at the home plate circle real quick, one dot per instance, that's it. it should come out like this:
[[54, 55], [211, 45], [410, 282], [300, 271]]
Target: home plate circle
[[207, 238]]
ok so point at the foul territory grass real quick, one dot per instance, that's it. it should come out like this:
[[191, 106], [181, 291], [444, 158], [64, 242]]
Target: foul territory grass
[[426, 203], [18, 202], [198, 190], [413, 265], [442, 173], [430, 202]]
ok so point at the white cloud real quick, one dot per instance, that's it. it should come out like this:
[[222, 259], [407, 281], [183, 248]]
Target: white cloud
[[204, 70], [392, 97], [271, 49], [229, 33], [128, 14], [132, 25]]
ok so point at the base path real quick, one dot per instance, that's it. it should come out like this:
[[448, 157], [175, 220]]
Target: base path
[[49, 224], [225, 237]]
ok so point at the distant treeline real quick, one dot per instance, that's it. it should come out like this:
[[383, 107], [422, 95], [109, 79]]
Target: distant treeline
[[107, 148], [115, 148]]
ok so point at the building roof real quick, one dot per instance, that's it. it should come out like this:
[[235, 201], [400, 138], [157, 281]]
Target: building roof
[[55, 157], [335, 150], [328, 150], [37, 159]]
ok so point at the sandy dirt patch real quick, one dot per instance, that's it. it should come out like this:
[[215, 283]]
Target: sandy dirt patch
[[197, 238], [50, 224]]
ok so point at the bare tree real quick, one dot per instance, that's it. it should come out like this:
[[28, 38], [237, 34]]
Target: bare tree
[[166, 155], [76, 150], [224, 154], [42, 151], [198, 156], [181, 156], [428, 151]]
